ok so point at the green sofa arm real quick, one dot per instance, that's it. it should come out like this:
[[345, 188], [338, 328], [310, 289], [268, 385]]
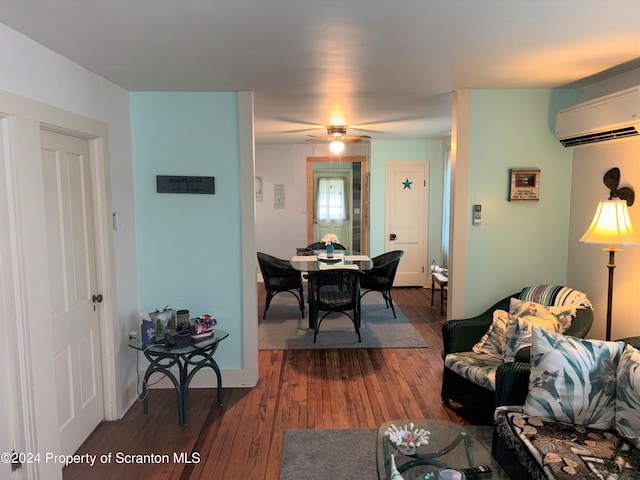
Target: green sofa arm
[[461, 335], [633, 341], [512, 383], [523, 355]]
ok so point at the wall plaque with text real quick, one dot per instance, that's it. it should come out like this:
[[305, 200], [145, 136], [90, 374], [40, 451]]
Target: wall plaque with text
[[184, 184], [525, 184]]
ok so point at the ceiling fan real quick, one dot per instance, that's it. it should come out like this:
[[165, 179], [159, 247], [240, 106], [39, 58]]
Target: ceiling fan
[[338, 133]]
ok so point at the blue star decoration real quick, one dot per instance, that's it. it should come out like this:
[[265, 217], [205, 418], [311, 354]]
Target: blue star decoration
[[407, 184]]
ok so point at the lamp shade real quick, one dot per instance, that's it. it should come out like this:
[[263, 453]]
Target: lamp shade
[[611, 225]]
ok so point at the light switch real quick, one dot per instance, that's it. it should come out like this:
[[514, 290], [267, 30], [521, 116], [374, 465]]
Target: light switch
[[117, 222]]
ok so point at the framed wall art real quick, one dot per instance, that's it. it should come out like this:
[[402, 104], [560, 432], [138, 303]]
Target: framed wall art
[[278, 196], [525, 184]]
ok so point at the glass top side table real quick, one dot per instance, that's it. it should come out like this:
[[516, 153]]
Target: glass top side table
[[188, 360]]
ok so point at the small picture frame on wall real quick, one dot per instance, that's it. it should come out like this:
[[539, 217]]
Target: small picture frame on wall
[[525, 184], [278, 196]]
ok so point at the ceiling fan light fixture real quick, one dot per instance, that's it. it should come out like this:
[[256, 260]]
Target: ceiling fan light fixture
[[337, 131], [338, 134], [336, 147]]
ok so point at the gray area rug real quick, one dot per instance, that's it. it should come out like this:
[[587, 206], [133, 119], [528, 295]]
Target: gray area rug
[[284, 329], [329, 454], [345, 454]]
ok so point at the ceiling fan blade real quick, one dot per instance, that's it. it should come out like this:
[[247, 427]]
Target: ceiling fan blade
[[297, 121], [300, 130], [366, 126], [345, 139]]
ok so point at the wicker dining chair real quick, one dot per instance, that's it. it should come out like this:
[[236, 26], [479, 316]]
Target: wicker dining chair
[[380, 277], [322, 246], [279, 276], [335, 290]]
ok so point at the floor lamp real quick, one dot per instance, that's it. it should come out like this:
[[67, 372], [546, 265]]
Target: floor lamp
[[611, 226]]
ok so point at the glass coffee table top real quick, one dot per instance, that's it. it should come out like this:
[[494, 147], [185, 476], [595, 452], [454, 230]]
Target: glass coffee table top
[[450, 445]]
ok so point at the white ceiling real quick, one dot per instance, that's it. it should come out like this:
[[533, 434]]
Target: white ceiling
[[385, 66]]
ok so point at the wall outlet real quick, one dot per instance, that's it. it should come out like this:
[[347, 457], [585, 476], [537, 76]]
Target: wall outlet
[[133, 334]]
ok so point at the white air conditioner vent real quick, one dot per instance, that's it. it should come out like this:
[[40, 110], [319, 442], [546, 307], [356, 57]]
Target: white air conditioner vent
[[612, 117], [605, 136]]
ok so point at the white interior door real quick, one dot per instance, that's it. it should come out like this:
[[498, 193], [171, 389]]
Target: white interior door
[[406, 222], [8, 342], [332, 206], [72, 272]]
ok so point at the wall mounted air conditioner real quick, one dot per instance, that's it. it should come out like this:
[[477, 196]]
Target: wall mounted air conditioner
[[612, 117]]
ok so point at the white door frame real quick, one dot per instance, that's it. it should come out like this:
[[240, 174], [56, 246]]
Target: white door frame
[[364, 220], [24, 253]]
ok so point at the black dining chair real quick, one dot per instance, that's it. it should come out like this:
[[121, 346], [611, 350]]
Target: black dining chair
[[279, 276], [322, 246], [334, 290], [380, 277]]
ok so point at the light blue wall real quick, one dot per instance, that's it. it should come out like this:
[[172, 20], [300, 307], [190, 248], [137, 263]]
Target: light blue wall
[[518, 243], [383, 151], [188, 245]]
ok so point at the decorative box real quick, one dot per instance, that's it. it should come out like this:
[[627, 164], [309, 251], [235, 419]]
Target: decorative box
[[165, 321]]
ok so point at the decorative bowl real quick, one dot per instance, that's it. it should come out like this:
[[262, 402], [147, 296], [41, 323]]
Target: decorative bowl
[[407, 439]]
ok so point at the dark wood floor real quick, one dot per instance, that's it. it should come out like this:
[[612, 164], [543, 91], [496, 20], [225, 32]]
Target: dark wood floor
[[297, 389]]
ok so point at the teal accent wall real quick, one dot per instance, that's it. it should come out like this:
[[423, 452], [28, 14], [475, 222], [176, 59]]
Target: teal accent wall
[[188, 245], [518, 243]]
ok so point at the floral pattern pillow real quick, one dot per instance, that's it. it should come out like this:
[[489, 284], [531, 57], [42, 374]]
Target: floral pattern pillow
[[521, 308], [628, 395], [518, 332], [491, 342], [573, 380], [563, 313]]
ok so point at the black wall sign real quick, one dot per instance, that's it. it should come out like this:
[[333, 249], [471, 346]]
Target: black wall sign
[[182, 184]]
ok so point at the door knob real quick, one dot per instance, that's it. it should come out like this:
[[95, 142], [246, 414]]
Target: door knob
[[392, 237], [97, 298]]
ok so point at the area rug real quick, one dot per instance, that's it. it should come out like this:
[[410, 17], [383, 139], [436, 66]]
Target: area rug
[[285, 329], [320, 454]]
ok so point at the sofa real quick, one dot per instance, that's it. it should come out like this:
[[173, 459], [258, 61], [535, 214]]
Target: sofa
[[581, 415], [481, 368]]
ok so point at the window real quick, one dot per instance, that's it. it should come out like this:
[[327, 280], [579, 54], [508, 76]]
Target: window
[[331, 202]]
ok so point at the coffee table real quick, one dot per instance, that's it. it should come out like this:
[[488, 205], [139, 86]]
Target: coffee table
[[450, 445]]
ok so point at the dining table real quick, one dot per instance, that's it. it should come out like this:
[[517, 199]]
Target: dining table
[[319, 260]]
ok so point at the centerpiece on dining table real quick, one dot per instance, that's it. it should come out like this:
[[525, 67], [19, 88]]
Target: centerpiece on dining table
[[329, 239]]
